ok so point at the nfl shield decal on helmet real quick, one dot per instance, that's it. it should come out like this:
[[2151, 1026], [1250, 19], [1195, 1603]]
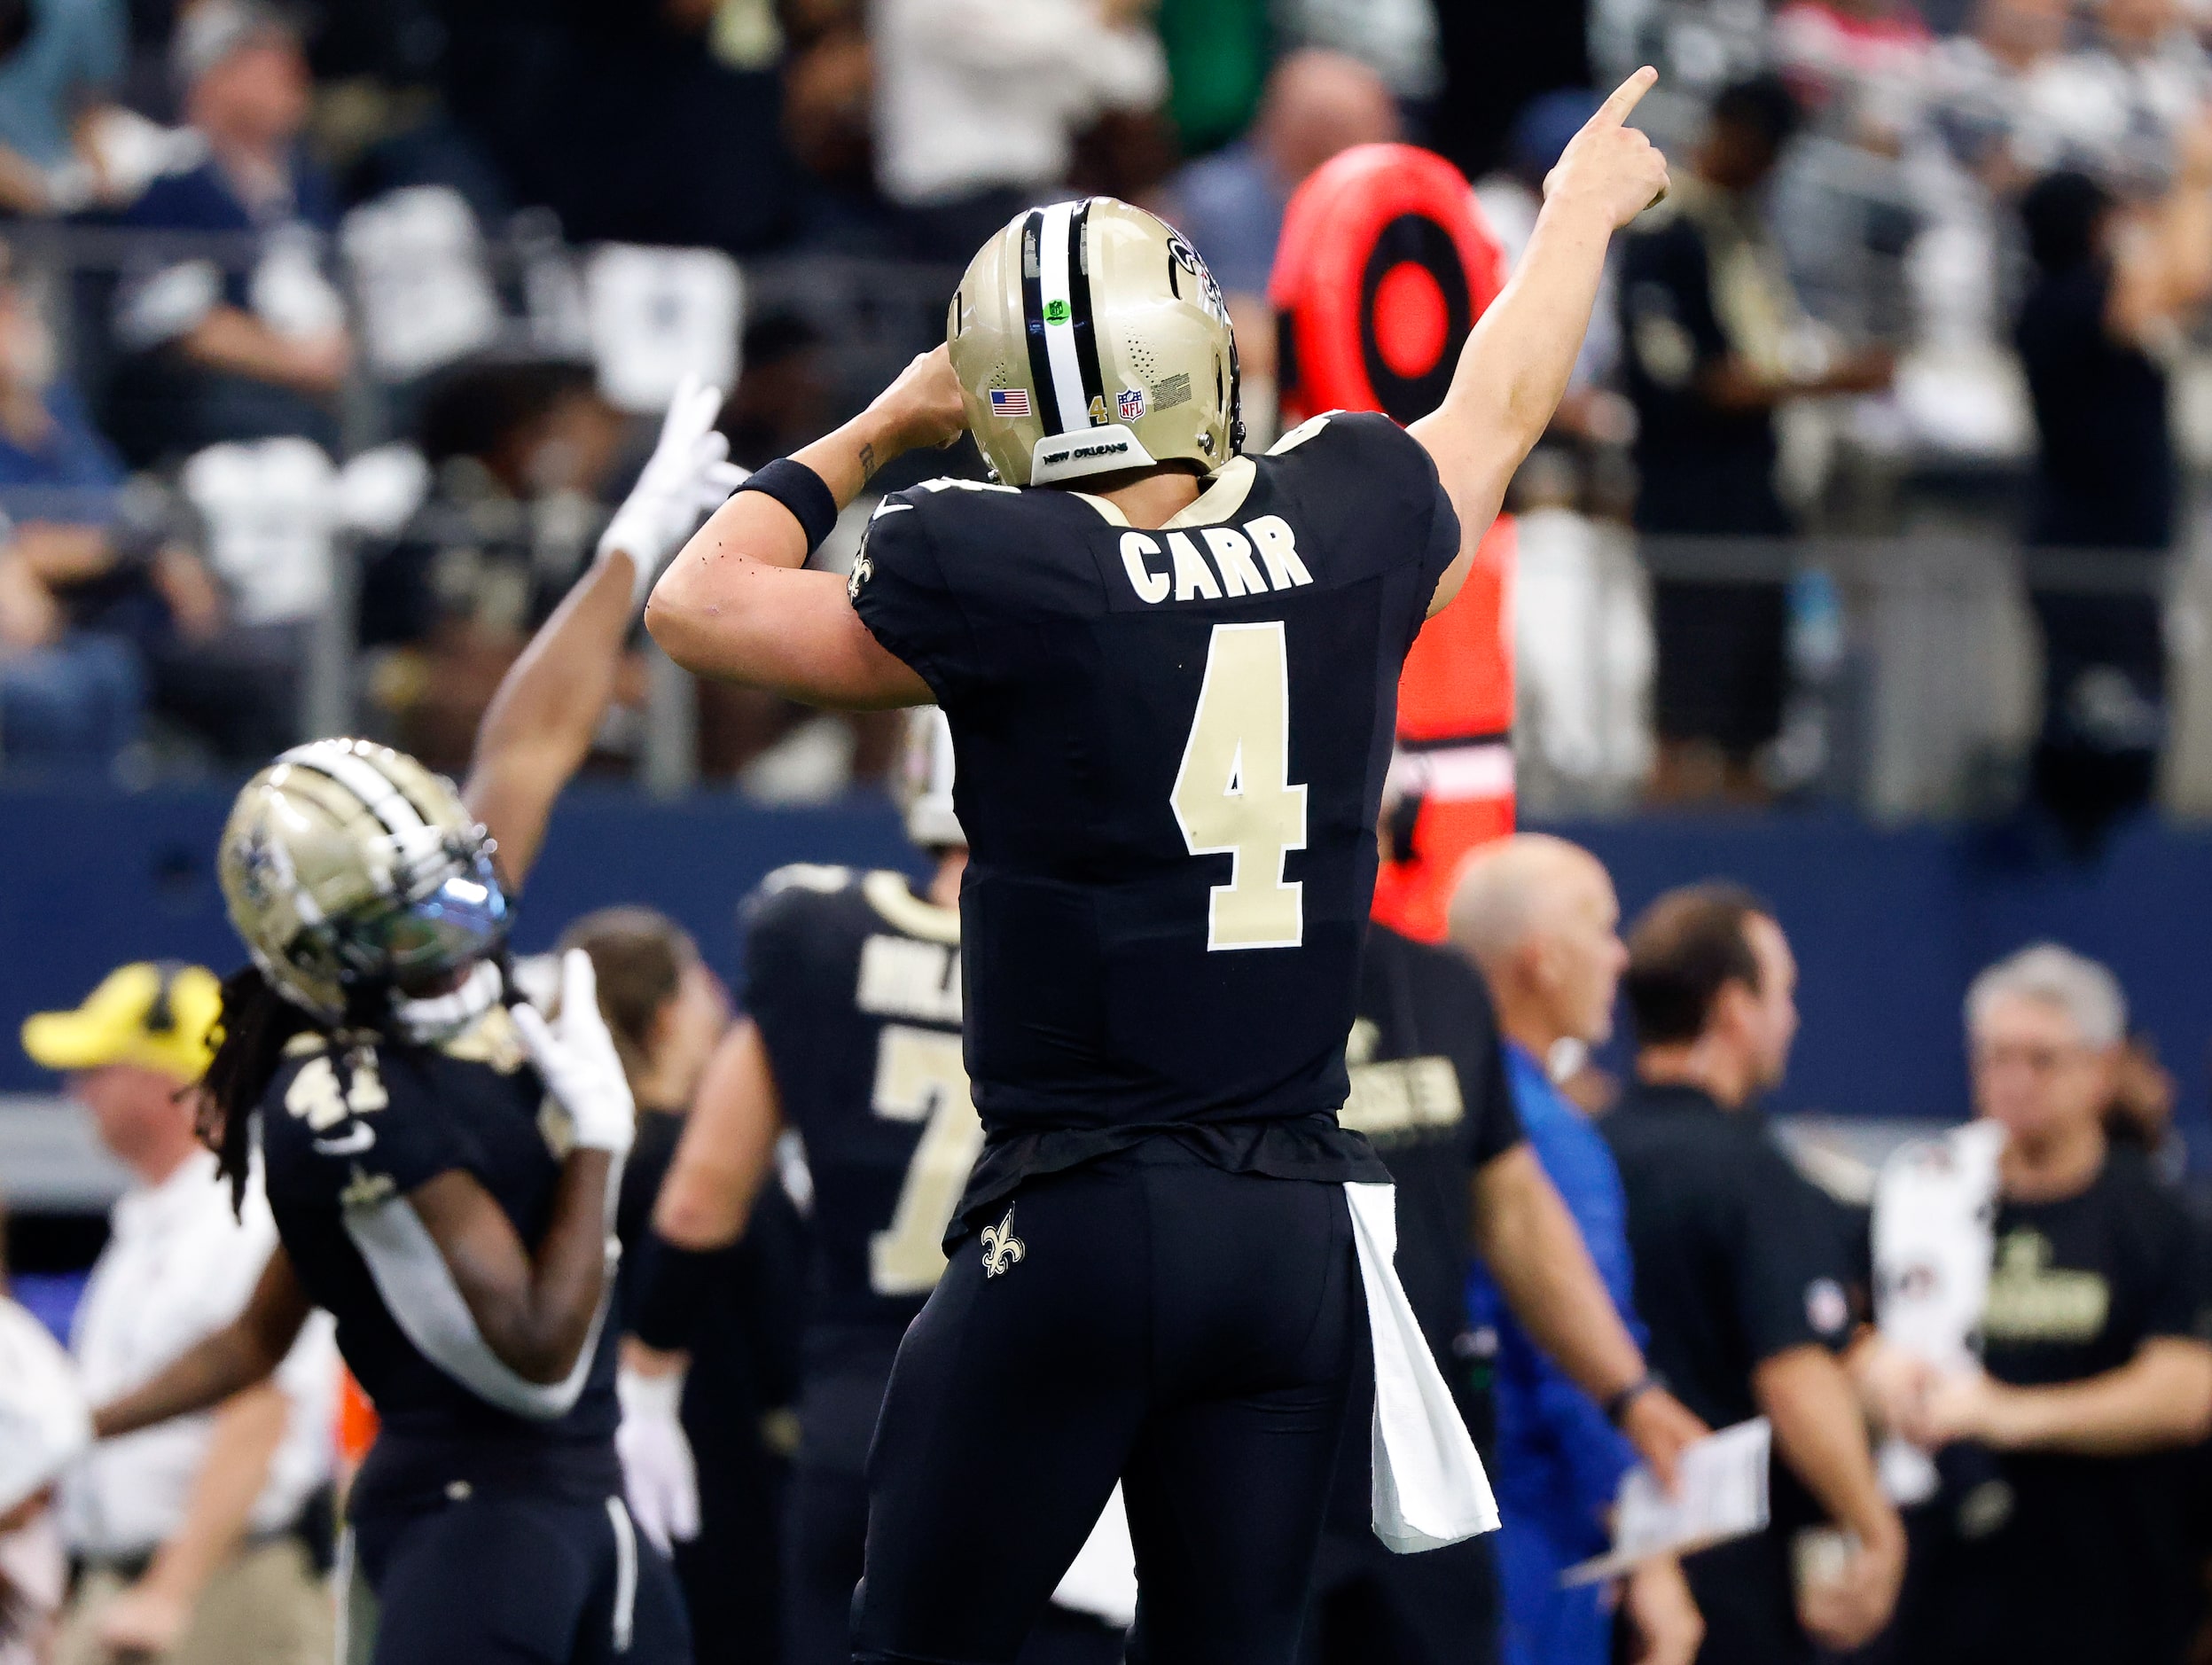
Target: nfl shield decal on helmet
[[1131, 403]]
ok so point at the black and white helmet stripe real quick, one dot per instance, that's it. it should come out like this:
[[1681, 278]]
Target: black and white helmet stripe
[[1080, 324], [1057, 316], [384, 800], [420, 848], [379, 794]]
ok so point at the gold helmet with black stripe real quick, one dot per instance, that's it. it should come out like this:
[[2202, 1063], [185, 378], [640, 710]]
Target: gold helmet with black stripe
[[352, 872], [1089, 337]]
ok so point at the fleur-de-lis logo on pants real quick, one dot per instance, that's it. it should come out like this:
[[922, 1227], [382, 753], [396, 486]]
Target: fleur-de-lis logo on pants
[[1001, 1247]]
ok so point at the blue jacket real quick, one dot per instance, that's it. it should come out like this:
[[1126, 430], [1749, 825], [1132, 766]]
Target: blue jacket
[[1559, 1462], [74, 459]]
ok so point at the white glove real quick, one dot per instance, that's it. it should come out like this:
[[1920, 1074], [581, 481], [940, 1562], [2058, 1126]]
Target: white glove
[[576, 1056], [659, 1475], [687, 478]]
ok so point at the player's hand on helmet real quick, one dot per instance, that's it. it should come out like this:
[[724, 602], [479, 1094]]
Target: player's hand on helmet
[[576, 1056], [685, 479], [659, 1475], [923, 406], [1610, 164]]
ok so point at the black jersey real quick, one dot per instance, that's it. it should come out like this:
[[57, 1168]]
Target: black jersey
[[2072, 1556], [1738, 1256], [854, 983], [1170, 749], [350, 1125], [1429, 1092]]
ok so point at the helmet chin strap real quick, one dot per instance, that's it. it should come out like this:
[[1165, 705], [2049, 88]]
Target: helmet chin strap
[[441, 1017]]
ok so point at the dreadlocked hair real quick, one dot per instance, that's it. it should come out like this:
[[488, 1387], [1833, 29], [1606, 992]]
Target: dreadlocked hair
[[256, 1025]]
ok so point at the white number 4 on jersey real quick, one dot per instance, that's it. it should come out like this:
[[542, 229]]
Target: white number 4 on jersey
[[1233, 795]]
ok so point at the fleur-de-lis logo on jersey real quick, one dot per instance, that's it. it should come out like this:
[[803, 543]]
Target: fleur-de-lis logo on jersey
[[1001, 1247], [365, 1191]]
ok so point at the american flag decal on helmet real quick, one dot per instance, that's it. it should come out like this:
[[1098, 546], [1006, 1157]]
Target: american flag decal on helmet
[[1010, 401]]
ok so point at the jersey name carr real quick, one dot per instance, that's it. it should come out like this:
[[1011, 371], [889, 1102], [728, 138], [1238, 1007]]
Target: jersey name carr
[[1261, 557]]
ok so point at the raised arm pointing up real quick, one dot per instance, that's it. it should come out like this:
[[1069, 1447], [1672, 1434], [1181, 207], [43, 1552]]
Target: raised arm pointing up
[[1515, 366]]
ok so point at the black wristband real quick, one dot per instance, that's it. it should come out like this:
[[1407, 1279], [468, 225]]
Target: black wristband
[[1617, 1407], [671, 1289], [802, 492]]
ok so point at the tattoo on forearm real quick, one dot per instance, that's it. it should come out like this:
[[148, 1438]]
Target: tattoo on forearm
[[867, 463]]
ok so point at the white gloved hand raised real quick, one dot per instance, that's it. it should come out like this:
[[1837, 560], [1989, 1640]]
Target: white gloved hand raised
[[686, 479], [659, 1474], [576, 1056]]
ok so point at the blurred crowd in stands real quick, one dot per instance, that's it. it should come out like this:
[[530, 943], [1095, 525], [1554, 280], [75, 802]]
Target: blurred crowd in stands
[[327, 336]]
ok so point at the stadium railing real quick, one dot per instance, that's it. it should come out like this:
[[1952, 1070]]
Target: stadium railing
[[1913, 687], [1913, 665], [534, 295]]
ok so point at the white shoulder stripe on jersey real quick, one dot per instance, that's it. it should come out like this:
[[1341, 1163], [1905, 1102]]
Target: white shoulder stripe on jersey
[[419, 1292], [1055, 285]]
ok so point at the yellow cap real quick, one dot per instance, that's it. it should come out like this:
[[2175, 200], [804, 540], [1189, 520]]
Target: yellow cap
[[156, 1016]]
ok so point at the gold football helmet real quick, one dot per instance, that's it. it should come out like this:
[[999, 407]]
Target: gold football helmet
[[350, 868], [1090, 336]]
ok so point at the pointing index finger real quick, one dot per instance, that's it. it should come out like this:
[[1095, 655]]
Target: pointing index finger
[[1626, 96]]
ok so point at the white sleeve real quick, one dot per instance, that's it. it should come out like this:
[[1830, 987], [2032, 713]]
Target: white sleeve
[[418, 1291]]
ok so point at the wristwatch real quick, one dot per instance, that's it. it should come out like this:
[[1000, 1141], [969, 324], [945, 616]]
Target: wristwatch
[[1617, 1407]]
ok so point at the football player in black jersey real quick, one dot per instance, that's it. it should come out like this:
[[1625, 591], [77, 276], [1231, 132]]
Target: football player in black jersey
[[1170, 672], [1429, 1092], [443, 1166], [850, 1039]]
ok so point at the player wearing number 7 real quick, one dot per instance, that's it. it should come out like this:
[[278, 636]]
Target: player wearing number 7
[[1171, 671], [850, 1039]]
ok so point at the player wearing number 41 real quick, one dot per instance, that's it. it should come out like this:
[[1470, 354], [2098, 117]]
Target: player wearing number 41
[[851, 1040], [1170, 673], [442, 1165]]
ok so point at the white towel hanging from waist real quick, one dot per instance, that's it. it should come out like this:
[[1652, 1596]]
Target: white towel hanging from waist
[[1430, 1489]]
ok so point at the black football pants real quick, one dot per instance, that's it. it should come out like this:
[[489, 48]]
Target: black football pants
[[519, 1581], [1191, 1332], [825, 1530]]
